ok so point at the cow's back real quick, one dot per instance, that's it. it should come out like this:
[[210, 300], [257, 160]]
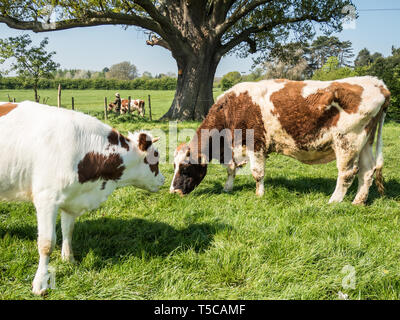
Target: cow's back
[[301, 118], [40, 142]]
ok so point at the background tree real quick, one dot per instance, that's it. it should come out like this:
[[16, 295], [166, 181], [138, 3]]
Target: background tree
[[388, 69], [147, 75], [333, 71], [299, 60], [28, 62], [198, 33], [287, 61], [325, 47], [230, 79], [364, 58], [122, 71]]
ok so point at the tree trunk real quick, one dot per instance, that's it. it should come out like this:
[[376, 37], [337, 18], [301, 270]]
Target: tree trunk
[[194, 93]]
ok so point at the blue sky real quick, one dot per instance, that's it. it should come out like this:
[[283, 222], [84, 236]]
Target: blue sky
[[98, 47]]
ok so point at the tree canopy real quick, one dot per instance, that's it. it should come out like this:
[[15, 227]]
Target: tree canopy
[[365, 58]]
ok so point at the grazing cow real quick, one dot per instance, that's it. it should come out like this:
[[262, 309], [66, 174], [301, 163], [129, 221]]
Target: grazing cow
[[312, 121], [111, 107], [65, 160], [136, 105]]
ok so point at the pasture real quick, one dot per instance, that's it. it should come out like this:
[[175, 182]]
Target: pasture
[[93, 100], [290, 244]]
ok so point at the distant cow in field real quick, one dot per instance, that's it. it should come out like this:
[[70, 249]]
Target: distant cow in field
[[312, 121], [111, 107], [136, 105], [65, 160]]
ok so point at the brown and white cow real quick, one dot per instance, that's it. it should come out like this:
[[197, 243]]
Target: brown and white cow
[[136, 105], [66, 161], [312, 121]]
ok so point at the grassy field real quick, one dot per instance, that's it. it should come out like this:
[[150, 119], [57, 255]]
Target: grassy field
[[290, 244], [93, 100]]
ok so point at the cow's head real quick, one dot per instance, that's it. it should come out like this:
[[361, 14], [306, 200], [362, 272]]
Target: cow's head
[[190, 170], [145, 163]]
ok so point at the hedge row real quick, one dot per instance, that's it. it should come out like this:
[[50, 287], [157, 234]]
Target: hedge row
[[80, 84]]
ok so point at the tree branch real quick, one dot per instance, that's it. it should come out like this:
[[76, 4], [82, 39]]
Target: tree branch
[[163, 21], [244, 36], [239, 13], [155, 41], [92, 19]]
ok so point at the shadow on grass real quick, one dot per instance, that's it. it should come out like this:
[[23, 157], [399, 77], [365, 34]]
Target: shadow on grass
[[307, 185], [110, 238], [301, 185], [20, 231], [113, 239], [392, 191]]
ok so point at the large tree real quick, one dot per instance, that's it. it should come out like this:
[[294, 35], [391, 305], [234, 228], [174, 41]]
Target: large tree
[[198, 33]]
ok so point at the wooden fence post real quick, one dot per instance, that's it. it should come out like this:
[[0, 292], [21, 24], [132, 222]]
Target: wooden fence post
[[73, 103], [129, 104], [105, 108], [59, 96], [14, 100], [151, 118]]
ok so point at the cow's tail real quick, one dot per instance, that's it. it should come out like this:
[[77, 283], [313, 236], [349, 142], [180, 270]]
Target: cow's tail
[[379, 157]]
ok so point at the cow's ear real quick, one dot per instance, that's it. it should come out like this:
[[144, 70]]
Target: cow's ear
[[145, 142], [156, 139]]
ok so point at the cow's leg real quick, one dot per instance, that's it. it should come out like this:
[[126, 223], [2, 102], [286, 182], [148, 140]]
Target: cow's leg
[[231, 169], [347, 164], [46, 216], [67, 226], [257, 167], [366, 174]]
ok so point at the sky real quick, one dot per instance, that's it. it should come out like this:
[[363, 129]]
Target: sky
[[94, 48]]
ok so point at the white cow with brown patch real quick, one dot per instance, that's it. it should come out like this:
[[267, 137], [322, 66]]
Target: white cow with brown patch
[[135, 106], [314, 122], [66, 161]]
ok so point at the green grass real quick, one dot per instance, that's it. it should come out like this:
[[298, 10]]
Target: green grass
[[93, 100], [290, 244]]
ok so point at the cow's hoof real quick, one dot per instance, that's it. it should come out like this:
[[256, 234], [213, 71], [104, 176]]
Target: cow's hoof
[[39, 292], [68, 259], [40, 288], [359, 203], [335, 200]]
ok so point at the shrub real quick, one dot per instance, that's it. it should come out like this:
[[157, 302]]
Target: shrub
[[82, 84], [230, 79], [332, 71]]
